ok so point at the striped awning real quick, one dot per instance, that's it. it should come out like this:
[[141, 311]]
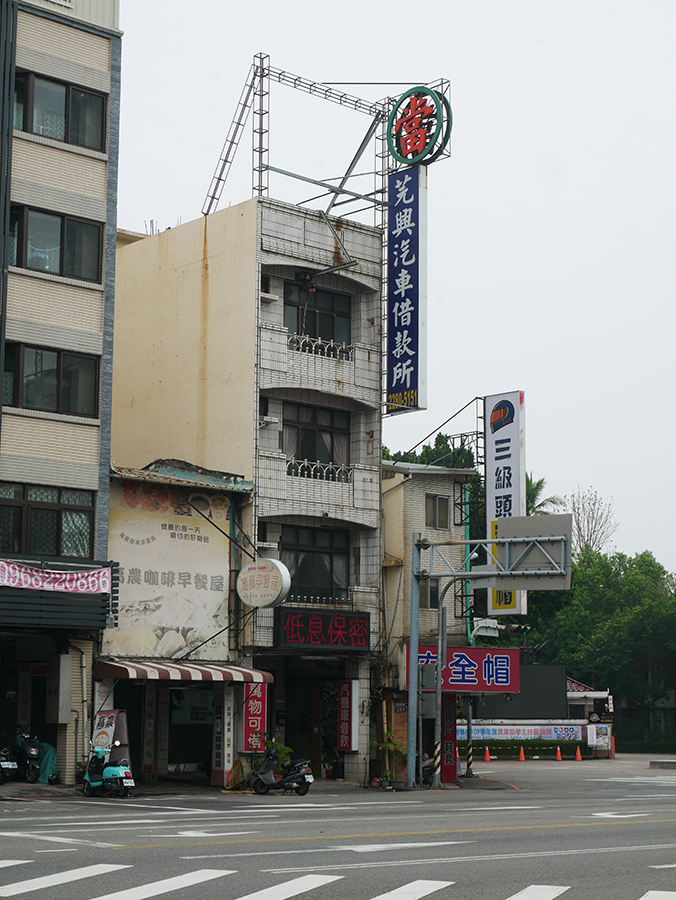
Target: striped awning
[[170, 671]]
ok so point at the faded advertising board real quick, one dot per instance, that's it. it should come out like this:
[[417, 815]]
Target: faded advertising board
[[174, 572]]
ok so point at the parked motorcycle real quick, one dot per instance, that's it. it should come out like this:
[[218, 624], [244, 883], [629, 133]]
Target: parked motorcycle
[[28, 755], [296, 775], [105, 777], [8, 765]]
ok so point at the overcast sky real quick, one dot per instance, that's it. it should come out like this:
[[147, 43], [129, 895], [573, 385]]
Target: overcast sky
[[551, 229]]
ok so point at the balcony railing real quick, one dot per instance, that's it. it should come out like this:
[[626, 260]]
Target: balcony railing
[[329, 598], [318, 347], [319, 471]]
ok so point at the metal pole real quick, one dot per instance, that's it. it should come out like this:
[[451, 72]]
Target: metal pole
[[468, 771], [441, 641], [413, 664]]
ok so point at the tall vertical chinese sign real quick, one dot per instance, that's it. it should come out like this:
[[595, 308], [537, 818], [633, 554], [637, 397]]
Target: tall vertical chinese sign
[[348, 722], [504, 420], [255, 717], [407, 290]]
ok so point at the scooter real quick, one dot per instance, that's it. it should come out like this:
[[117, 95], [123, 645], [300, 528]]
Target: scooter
[[8, 765], [106, 778], [28, 754], [296, 775]]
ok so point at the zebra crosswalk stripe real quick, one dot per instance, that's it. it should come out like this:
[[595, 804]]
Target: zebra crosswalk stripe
[[659, 895], [289, 888], [415, 890], [539, 892], [167, 885], [46, 881]]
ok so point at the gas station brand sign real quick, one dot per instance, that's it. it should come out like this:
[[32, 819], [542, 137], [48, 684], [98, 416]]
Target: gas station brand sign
[[419, 126]]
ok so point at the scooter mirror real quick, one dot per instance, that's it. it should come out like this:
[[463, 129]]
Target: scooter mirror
[[116, 744]]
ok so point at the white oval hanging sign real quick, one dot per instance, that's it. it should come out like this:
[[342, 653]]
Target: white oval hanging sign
[[264, 582]]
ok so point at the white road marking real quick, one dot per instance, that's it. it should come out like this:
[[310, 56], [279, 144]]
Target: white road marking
[[57, 840], [288, 889], [659, 895], [468, 859], [296, 851], [414, 890], [661, 780], [377, 848], [62, 850], [202, 834], [539, 892], [165, 887], [669, 866], [47, 881], [615, 815]]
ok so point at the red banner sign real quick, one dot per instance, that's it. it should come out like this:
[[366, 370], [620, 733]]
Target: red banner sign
[[322, 630], [469, 669], [255, 717], [93, 581]]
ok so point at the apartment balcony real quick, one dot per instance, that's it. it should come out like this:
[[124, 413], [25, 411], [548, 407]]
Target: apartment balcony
[[293, 487], [295, 361]]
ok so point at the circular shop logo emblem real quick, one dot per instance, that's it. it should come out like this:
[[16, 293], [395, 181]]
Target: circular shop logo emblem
[[419, 126]]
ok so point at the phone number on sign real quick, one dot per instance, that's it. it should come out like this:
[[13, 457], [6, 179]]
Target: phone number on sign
[[402, 400]]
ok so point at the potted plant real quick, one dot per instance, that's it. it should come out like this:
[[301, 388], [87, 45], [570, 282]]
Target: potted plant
[[385, 778], [396, 752]]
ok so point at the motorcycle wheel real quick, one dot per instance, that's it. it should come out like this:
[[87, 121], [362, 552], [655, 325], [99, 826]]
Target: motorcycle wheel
[[31, 776], [87, 789], [259, 786], [3, 778], [302, 789]]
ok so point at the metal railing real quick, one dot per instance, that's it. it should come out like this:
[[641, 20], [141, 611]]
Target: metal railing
[[303, 468], [318, 347], [341, 598]]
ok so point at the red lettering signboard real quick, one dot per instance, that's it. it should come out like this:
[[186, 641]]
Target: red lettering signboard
[[333, 630], [469, 669], [449, 771], [255, 717], [347, 719]]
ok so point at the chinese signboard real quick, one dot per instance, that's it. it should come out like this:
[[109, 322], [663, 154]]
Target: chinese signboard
[[449, 771], [469, 669], [521, 732], [264, 582], [94, 581], [103, 729], [419, 126], [348, 725], [322, 630], [505, 481], [255, 717], [174, 572], [407, 291], [223, 752]]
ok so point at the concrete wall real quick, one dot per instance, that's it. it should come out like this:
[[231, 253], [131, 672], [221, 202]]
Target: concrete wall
[[183, 374]]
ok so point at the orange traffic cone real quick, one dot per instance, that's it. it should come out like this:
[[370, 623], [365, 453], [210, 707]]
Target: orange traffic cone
[[558, 754], [487, 756], [522, 757], [578, 755]]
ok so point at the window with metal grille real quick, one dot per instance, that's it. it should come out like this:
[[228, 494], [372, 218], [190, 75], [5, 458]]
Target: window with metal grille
[[38, 520], [317, 313], [318, 560]]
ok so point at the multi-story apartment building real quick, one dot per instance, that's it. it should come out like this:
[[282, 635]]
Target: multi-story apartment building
[[59, 144], [429, 501], [247, 343]]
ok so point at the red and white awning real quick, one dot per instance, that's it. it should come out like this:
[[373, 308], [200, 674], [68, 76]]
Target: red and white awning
[[187, 671]]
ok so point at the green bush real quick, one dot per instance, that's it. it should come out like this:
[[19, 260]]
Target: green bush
[[510, 749]]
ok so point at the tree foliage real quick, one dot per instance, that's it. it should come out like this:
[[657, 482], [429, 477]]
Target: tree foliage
[[615, 628], [536, 504], [593, 522]]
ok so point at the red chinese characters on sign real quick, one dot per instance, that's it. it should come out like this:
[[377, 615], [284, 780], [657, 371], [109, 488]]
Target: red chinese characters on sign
[[413, 126], [322, 630], [344, 715], [255, 717]]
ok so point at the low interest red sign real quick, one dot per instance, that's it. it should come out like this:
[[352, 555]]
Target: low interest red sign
[[334, 630]]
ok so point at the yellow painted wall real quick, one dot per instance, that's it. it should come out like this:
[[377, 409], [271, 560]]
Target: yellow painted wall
[[185, 319]]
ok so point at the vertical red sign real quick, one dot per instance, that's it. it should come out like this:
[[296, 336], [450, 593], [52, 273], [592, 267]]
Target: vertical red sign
[[344, 715], [448, 739], [255, 717]]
